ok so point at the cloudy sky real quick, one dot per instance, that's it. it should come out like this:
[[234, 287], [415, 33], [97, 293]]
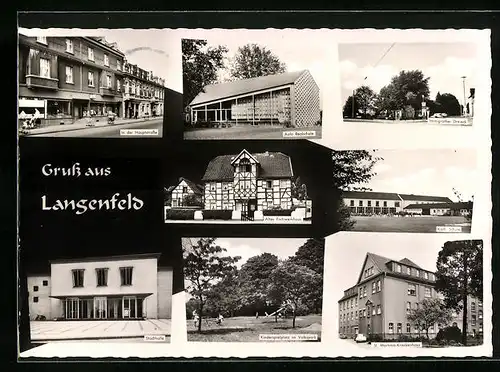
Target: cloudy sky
[[443, 63], [429, 172], [345, 264], [298, 50]]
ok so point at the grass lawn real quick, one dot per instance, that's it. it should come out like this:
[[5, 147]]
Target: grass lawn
[[248, 329], [425, 224], [247, 132]]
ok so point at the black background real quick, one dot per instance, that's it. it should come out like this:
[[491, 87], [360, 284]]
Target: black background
[[133, 148]]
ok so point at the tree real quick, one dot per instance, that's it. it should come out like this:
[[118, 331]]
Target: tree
[[192, 200], [254, 278], [366, 98], [299, 189], [291, 283], [459, 275], [430, 312], [348, 111], [312, 255], [204, 266], [387, 99], [200, 65], [448, 104], [225, 296], [253, 60]]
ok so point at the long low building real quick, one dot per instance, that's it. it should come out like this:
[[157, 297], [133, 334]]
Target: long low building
[[370, 202], [441, 209], [288, 99]]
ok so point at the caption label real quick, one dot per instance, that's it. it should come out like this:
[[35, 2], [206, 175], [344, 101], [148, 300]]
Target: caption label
[[299, 133], [288, 337], [139, 132], [155, 338], [396, 344], [449, 229]]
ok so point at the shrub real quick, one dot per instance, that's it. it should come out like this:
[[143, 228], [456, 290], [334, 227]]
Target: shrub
[[180, 214], [404, 338], [278, 212], [449, 334], [212, 214], [374, 338]]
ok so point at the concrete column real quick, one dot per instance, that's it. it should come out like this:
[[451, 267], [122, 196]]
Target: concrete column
[[236, 106], [206, 113]]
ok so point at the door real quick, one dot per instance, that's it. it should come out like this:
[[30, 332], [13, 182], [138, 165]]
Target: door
[[100, 308], [129, 307], [72, 307], [114, 307], [252, 207]]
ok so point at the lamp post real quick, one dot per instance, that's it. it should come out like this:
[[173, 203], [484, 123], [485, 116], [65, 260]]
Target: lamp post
[[463, 83]]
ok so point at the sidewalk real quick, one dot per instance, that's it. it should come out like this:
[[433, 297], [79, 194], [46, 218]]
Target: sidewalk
[[82, 124]]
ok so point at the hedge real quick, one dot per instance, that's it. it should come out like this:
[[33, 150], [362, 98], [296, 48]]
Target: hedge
[[278, 212], [212, 214], [180, 214]]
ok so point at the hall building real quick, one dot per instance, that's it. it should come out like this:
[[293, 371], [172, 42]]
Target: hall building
[[65, 78], [441, 209], [115, 287], [370, 202], [385, 292], [289, 99]]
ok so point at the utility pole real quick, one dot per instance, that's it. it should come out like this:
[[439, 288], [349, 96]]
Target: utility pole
[[465, 103]]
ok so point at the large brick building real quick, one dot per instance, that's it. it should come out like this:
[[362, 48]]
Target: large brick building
[[385, 292], [116, 287], [65, 78]]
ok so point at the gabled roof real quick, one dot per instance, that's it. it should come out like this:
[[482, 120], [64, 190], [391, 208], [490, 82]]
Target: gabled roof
[[220, 91], [462, 205], [408, 262], [196, 189], [370, 195], [241, 153], [441, 199], [272, 165]]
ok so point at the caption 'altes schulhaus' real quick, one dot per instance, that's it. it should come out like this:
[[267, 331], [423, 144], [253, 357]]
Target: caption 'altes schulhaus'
[[65, 78], [242, 187], [384, 295], [116, 287], [290, 99]]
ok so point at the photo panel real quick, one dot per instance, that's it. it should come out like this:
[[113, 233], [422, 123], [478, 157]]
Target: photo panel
[[395, 295]]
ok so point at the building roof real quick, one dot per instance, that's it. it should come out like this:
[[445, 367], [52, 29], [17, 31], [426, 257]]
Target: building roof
[[408, 262], [220, 91], [370, 195], [271, 165], [196, 189], [462, 205], [107, 258], [441, 199]]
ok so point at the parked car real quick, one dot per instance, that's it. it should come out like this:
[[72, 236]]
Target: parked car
[[360, 338]]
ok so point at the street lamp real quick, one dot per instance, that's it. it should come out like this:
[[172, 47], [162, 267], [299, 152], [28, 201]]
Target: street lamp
[[463, 83]]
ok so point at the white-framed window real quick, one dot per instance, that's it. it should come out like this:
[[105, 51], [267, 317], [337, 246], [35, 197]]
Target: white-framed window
[[374, 311], [408, 307], [398, 268], [69, 75], [106, 60], [391, 327], [41, 39], [400, 328], [44, 67], [91, 78], [364, 291], [412, 289], [408, 328], [90, 53], [408, 270], [374, 287], [417, 272], [118, 65], [108, 81], [379, 310], [69, 45], [427, 292], [379, 286], [426, 275], [118, 86]]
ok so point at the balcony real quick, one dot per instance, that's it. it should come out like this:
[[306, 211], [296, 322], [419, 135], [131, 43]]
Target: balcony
[[105, 91], [34, 81]]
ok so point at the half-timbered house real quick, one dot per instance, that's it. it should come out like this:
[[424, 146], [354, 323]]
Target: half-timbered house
[[184, 188]]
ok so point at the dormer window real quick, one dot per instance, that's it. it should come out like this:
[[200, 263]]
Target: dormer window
[[398, 268], [245, 166]]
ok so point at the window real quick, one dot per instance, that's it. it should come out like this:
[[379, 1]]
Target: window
[[108, 81], [426, 275], [417, 272], [126, 275], [480, 314], [385, 204], [118, 65], [408, 307], [118, 86], [374, 311], [106, 60], [184, 189], [35, 288], [45, 283], [400, 328], [44, 67], [431, 277], [412, 290], [245, 165], [408, 328], [364, 291], [427, 292], [102, 277], [361, 203], [473, 319], [473, 306], [396, 204], [41, 39], [408, 270], [69, 45], [91, 78], [391, 327], [398, 268], [360, 292], [379, 286], [90, 53], [35, 299], [379, 310], [364, 313], [69, 74], [374, 287], [78, 278], [369, 203], [377, 203]]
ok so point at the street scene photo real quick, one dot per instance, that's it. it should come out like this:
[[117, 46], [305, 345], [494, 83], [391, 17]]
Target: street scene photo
[[253, 289], [401, 83], [111, 298], [413, 191], [422, 292], [240, 188], [109, 85], [240, 84]]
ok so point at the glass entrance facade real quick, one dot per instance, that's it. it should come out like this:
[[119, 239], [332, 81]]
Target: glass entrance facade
[[126, 307]]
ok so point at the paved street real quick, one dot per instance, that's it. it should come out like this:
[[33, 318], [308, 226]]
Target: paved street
[[107, 131], [249, 132], [46, 331]]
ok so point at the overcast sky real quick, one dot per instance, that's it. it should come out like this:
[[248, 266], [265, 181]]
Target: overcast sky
[[299, 50], [429, 172], [347, 251], [443, 63]]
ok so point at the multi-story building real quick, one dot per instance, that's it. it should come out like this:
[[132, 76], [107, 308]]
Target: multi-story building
[[184, 188], [115, 287], [369, 202], [384, 294], [65, 78]]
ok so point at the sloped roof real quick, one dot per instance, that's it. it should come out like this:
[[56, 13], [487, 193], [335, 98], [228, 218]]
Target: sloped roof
[[196, 189], [406, 261], [426, 198], [463, 205], [370, 195], [215, 92], [271, 165]]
